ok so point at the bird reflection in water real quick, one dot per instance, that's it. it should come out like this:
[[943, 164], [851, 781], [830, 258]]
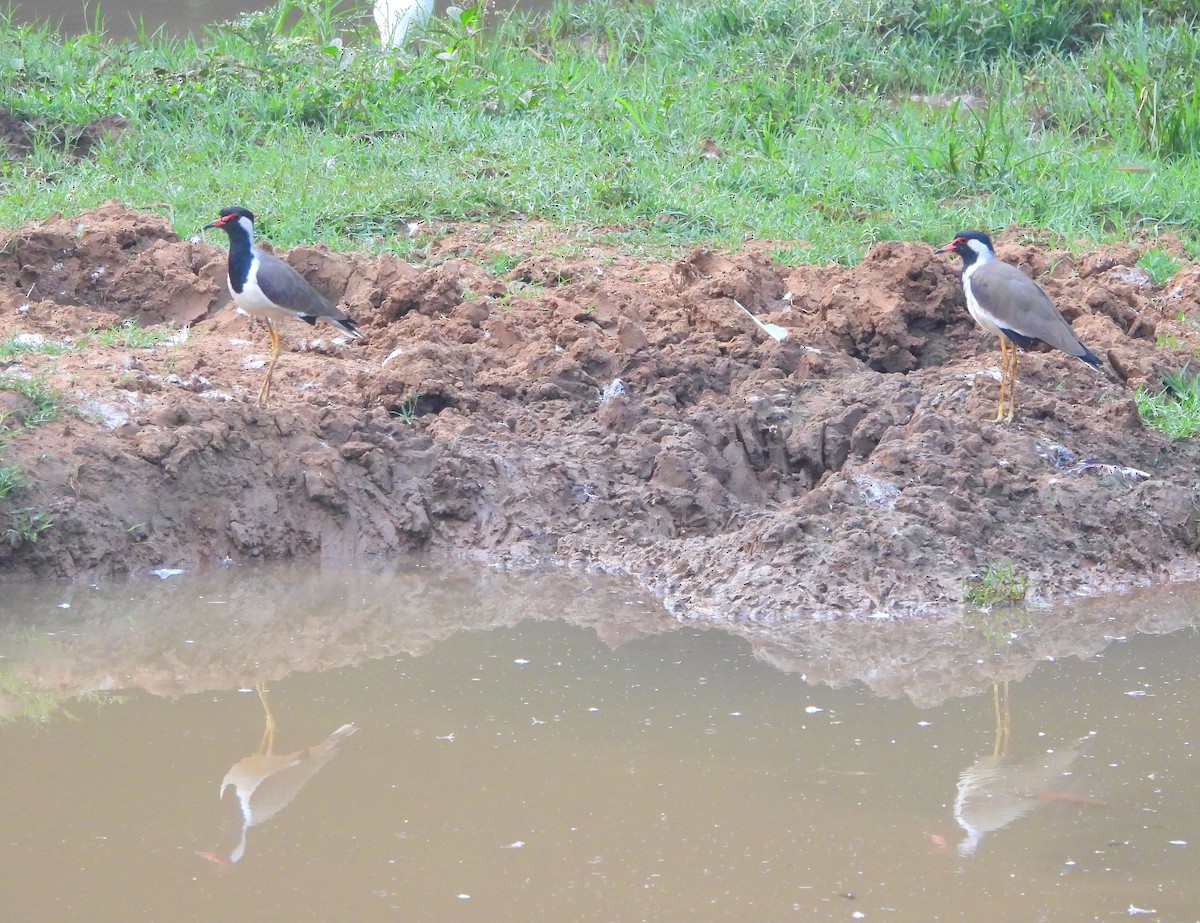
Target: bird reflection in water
[[260, 786], [996, 790]]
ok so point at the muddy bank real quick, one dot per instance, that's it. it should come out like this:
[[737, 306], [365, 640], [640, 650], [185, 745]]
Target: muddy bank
[[851, 468]]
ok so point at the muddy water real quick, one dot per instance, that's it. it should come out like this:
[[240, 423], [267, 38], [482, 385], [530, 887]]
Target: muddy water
[[554, 747]]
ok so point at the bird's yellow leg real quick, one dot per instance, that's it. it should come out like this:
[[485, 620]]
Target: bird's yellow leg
[[275, 347], [1012, 381], [1003, 717], [268, 738], [1003, 377]]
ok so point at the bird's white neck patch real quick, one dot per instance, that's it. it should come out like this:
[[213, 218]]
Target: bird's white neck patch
[[982, 251], [246, 225], [983, 256]]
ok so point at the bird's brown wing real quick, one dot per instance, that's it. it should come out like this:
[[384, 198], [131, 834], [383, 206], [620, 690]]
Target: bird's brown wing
[[1020, 306], [288, 289]]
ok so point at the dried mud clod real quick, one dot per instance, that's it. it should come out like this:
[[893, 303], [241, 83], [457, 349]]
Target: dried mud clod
[[603, 409]]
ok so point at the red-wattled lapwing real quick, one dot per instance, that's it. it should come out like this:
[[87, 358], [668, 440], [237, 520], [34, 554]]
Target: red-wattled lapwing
[[261, 785], [265, 286], [1006, 302], [996, 790], [395, 17]]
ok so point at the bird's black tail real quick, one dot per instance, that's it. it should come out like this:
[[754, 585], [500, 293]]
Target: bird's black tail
[[347, 325]]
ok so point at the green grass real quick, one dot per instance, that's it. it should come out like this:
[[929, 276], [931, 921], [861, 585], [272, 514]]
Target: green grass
[[1000, 585], [11, 477], [28, 704], [127, 334], [593, 115], [999, 625], [43, 400], [406, 410], [16, 347], [1159, 265], [25, 703], [23, 524], [1175, 410]]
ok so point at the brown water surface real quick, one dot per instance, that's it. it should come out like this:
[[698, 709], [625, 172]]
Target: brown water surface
[[555, 747]]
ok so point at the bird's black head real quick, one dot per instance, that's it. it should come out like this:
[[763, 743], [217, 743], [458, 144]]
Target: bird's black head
[[970, 245], [230, 216]]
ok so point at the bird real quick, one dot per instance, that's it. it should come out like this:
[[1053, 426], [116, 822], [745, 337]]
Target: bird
[[262, 285], [997, 790], [1006, 302], [261, 785], [393, 18]]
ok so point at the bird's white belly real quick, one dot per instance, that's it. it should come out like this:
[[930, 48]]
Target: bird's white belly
[[982, 318], [252, 300]]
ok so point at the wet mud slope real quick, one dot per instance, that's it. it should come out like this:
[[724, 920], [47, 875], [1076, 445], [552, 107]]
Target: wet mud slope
[[603, 409]]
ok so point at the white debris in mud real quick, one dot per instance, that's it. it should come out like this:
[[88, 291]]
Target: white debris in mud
[[774, 331], [111, 413], [163, 573], [195, 383], [615, 388], [1069, 462], [1131, 275], [877, 492]]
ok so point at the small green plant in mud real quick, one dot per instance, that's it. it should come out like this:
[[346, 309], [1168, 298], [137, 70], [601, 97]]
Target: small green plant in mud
[[1175, 410], [42, 398], [1000, 585], [16, 347], [999, 625], [37, 706], [501, 264], [407, 410], [1159, 265], [11, 477], [24, 524], [129, 334]]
